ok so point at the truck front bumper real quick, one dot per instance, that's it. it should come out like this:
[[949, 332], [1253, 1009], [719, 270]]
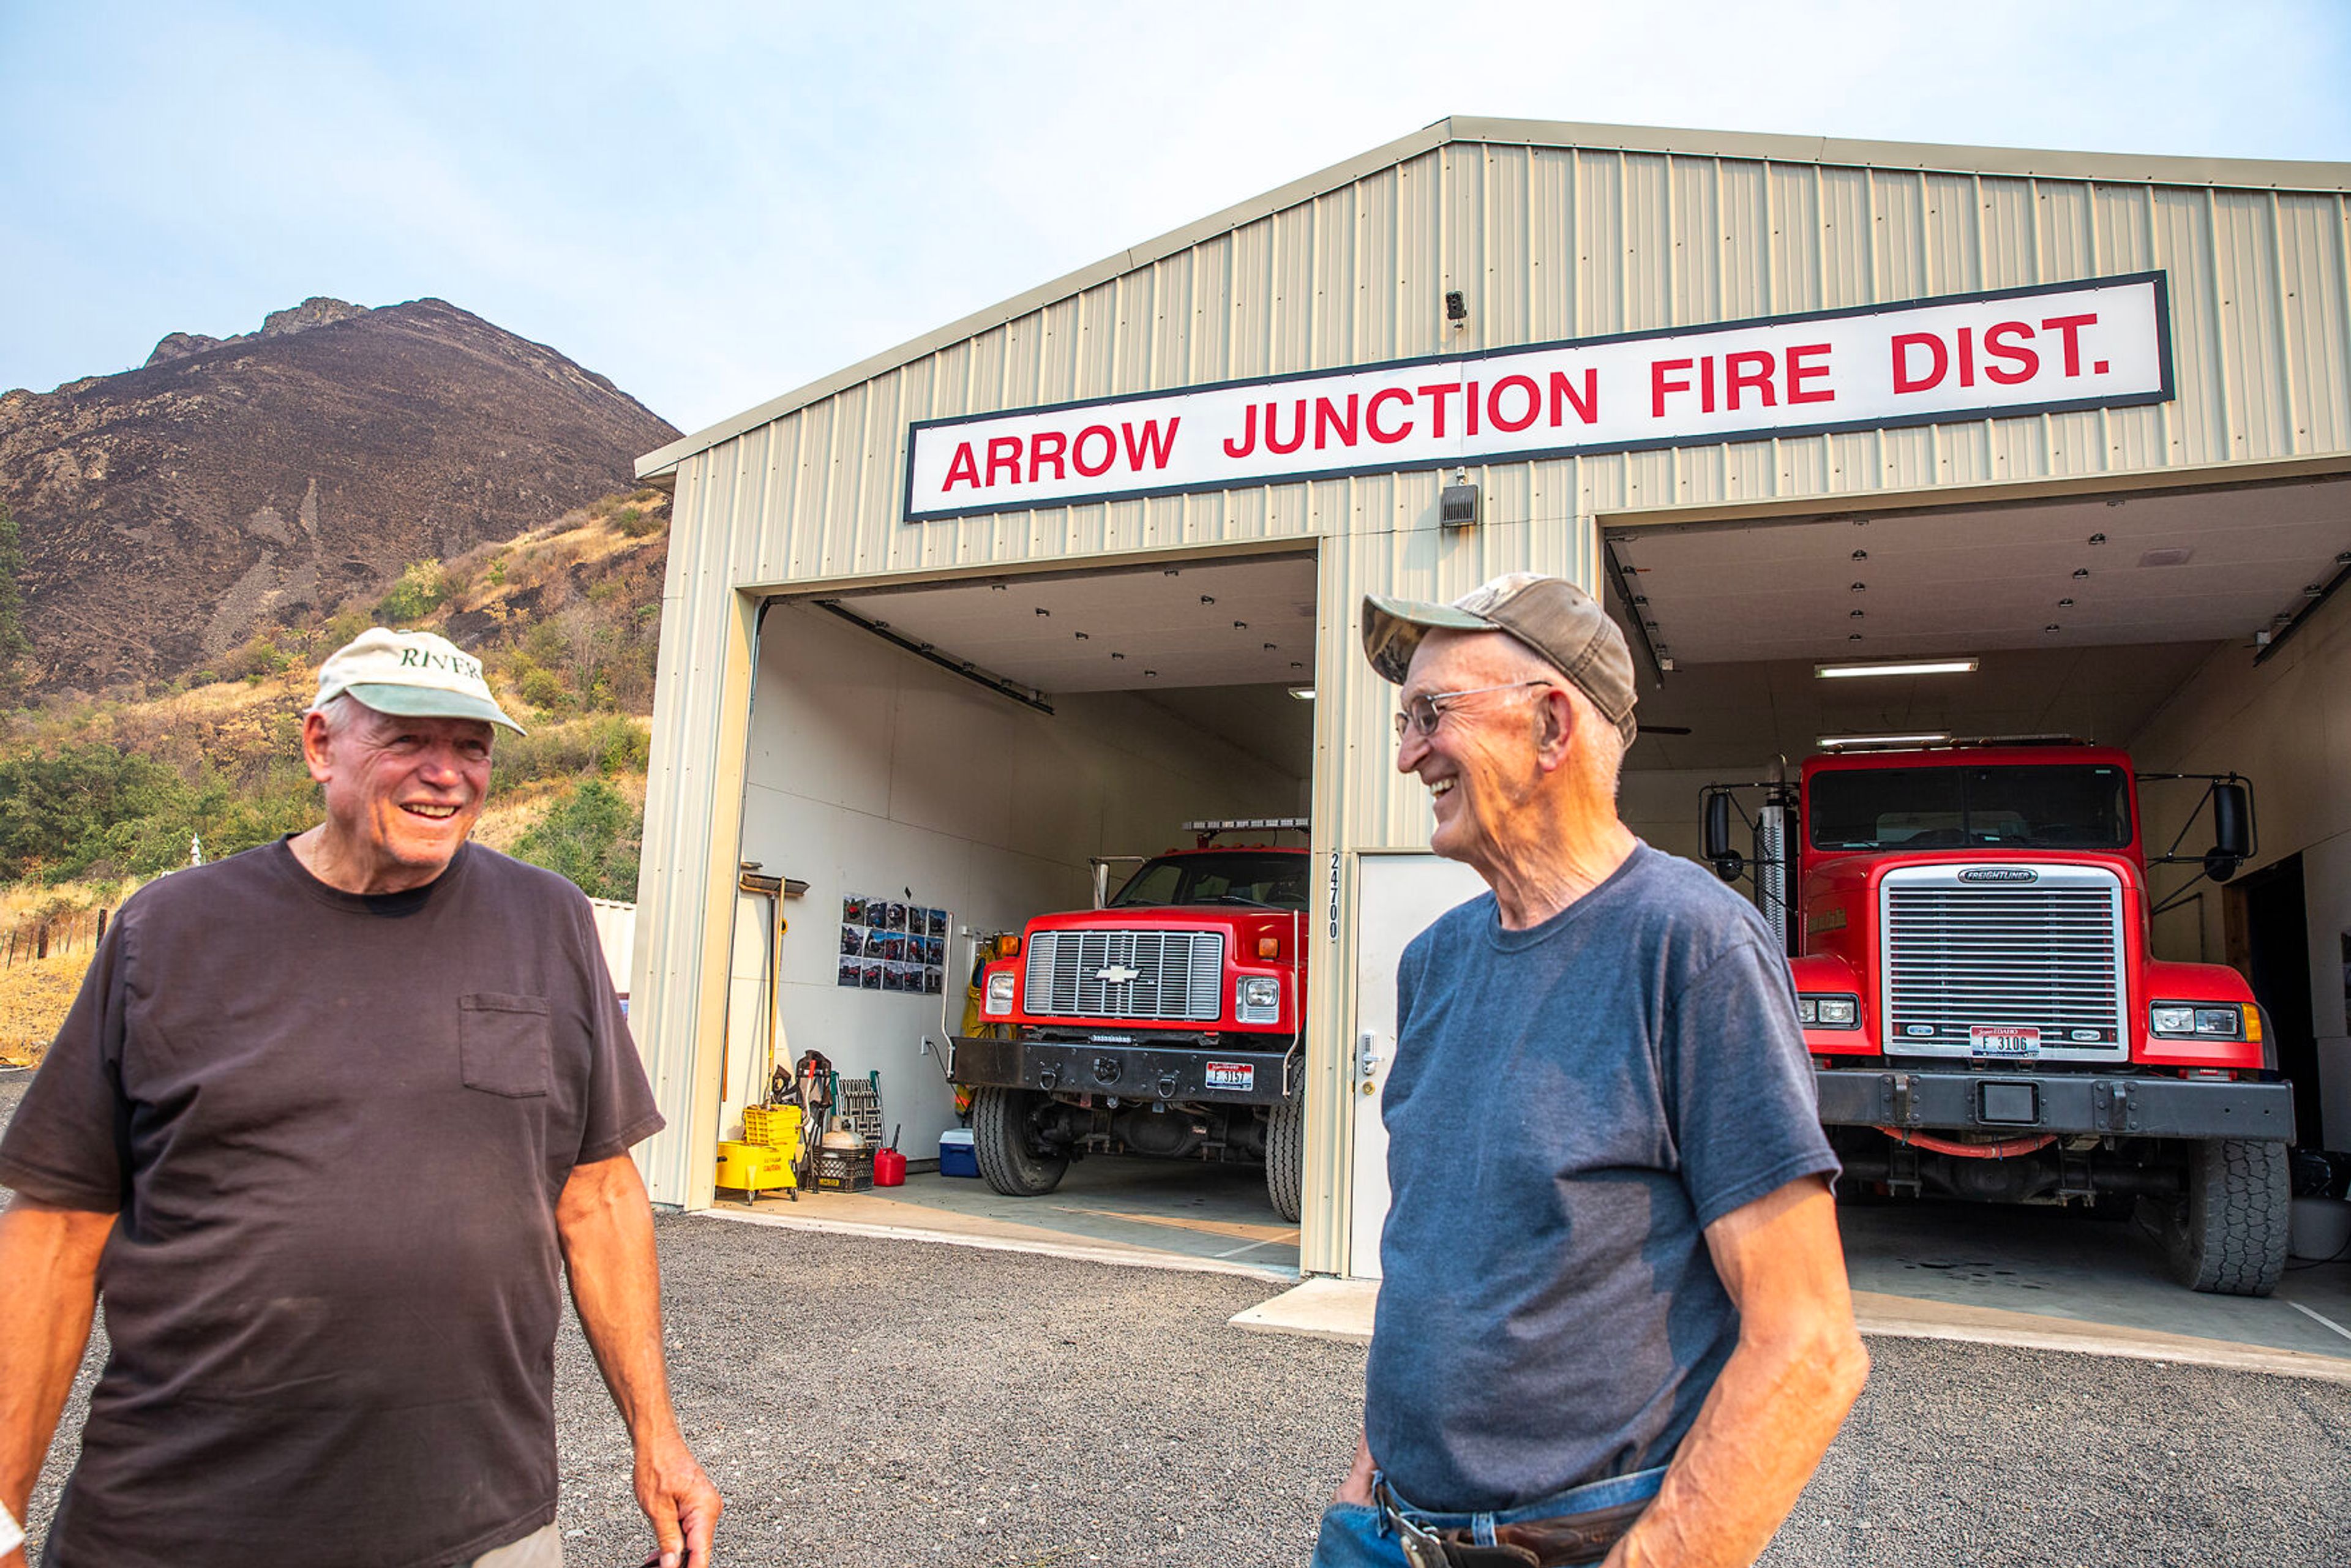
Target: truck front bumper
[[1220, 1073], [2144, 1107]]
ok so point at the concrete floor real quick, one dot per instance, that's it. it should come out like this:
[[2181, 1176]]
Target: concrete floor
[[1163, 1213], [2034, 1278], [2056, 1264]]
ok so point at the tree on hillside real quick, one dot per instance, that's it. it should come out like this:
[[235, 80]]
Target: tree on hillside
[[590, 836], [14, 644], [92, 808]]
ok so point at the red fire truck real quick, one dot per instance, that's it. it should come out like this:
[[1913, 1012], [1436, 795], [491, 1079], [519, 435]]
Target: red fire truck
[[1968, 928], [1164, 1021]]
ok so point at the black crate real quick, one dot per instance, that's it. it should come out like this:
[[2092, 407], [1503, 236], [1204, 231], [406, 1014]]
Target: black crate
[[845, 1170]]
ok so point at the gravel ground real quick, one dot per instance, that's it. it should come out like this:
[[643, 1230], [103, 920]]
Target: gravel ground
[[867, 1402]]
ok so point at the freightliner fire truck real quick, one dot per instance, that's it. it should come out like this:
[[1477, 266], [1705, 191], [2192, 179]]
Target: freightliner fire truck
[[1164, 1021], [1968, 928]]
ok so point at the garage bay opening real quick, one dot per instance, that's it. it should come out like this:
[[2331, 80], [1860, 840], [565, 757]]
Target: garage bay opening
[[1052, 834]]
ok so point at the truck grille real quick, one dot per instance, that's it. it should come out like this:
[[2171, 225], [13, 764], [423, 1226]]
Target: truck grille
[[1176, 974], [2044, 954]]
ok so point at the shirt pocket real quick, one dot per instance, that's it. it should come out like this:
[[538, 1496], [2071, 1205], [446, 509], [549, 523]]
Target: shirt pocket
[[504, 1043]]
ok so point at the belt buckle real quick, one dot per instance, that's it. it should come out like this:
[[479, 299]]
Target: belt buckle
[[1421, 1549]]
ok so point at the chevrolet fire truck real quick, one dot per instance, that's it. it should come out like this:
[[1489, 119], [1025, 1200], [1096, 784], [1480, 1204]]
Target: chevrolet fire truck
[[1165, 1021], [1968, 929]]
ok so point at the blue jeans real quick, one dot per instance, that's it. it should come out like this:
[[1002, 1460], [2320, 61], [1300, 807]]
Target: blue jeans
[[1357, 1535]]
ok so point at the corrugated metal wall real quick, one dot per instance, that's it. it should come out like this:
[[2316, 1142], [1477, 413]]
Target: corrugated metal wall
[[1546, 243]]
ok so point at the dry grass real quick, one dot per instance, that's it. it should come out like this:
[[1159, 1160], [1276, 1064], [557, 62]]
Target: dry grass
[[33, 996], [541, 559], [36, 992]]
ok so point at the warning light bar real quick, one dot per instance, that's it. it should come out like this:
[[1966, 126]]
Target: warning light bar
[[1203, 831]]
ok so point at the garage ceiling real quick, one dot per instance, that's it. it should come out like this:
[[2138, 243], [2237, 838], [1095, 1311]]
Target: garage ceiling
[[1229, 624], [2163, 566], [1745, 611], [1741, 715]]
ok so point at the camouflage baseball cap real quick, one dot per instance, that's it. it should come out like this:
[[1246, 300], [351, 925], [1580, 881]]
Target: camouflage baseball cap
[[1549, 614]]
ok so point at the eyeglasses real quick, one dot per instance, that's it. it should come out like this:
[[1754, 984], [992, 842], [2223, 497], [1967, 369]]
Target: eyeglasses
[[1421, 713]]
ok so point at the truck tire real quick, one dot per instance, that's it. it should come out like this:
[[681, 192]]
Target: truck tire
[[2228, 1237], [1285, 1157], [1010, 1159]]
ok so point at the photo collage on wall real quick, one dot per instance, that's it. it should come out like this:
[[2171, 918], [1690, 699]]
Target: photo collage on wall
[[887, 946]]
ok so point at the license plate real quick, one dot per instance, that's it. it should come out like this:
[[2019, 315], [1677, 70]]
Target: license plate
[[1232, 1075], [2006, 1042]]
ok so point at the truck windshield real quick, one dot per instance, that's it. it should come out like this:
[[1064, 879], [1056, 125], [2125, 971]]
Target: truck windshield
[[2052, 807], [1276, 881]]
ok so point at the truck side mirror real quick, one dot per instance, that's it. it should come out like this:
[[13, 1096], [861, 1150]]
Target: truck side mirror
[[2232, 836], [1727, 861]]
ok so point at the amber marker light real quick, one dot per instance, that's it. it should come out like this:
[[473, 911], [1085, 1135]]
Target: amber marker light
[[1269, 946]]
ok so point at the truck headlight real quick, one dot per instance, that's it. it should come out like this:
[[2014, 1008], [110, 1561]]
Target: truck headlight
[[1257, 999], [2187, 1021], [999, 992], [1829, 1012]]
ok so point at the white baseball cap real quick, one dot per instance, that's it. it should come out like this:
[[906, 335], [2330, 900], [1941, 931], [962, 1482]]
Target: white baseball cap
[[417, 675]]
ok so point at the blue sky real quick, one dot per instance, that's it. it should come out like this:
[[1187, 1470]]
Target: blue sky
[[714, 202]]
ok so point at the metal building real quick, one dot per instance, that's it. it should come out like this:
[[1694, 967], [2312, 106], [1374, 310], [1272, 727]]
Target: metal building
[[1691, 368]]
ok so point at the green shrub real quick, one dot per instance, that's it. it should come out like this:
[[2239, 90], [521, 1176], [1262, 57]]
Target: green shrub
[[605, 744], [636, 522], [590, 836], [94, 809], [417, 594], [543, 689]]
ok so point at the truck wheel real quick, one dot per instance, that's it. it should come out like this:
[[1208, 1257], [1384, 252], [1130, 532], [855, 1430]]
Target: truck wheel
[[2228, 1236], [1285, 1157], [1007, 1154]]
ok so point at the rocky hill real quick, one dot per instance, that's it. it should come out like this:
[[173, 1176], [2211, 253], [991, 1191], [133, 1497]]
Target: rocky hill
[[169, 512]]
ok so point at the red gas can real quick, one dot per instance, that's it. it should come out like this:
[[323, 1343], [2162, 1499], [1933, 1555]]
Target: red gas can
[[889, 1168]]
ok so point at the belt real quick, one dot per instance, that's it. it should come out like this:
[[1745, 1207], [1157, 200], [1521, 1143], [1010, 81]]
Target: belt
[[1557, 1542]]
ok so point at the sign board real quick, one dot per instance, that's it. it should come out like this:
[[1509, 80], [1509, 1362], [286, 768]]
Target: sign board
[[2102, 343]]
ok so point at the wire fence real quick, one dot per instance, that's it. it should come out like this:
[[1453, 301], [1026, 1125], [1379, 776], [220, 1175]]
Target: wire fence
[[48, 937]]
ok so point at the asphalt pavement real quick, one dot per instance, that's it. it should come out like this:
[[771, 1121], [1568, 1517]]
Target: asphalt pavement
[[866, 1401]]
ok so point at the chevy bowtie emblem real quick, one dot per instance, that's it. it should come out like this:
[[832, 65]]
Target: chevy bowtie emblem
[[1117, 974]]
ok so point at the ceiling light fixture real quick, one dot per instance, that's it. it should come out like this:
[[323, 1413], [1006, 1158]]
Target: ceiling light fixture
[[1899, 667], [1304, 694], [1844, 742]]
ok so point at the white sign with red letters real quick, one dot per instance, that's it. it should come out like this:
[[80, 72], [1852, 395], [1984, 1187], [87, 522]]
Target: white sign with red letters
[[2102, 343]]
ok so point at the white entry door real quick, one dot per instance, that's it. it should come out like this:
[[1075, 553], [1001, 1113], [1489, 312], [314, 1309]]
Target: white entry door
[[1397, 898]]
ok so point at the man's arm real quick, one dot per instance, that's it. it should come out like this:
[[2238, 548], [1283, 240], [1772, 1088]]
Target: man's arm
[[49, 1256], [607, 1228], [1798, 1367]]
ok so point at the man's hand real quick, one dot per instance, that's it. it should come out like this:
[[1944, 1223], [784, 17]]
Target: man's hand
[[606, 1225], [679, 1499], [1357, 1487], [49, 1257], [1781, 1396]]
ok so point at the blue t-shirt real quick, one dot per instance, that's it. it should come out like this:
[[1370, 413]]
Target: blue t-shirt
[[1570, 1107]]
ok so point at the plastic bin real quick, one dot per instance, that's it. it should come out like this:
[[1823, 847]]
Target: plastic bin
[[845, 1170], [956, 1155]]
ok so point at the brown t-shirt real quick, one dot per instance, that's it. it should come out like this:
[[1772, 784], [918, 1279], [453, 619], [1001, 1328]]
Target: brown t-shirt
[[335, 1128]]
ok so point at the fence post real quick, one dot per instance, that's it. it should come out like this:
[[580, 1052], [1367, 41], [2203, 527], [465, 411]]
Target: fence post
[[41, 941]]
